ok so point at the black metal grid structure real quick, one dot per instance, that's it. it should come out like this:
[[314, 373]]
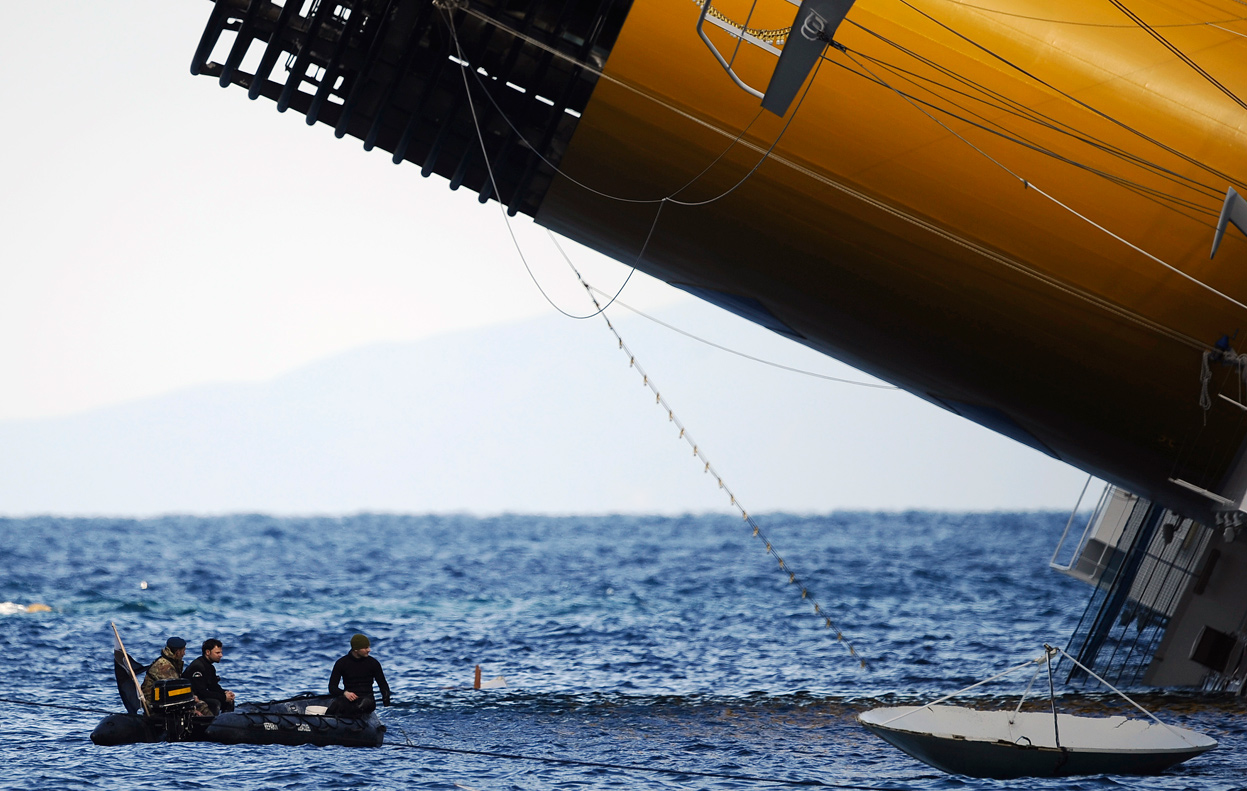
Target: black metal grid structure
[[388, 72], [1137, 595]]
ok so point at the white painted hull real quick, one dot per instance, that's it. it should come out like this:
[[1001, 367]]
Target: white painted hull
[[1002, 745]]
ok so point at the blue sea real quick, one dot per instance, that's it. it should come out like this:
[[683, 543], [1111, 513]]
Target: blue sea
[[638, 652]]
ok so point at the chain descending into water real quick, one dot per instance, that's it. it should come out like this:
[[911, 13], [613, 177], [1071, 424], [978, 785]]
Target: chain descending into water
[[708, 468], [447, 6]]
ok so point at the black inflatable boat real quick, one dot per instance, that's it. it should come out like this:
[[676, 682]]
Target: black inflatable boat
[[171, 716], [299, 720]]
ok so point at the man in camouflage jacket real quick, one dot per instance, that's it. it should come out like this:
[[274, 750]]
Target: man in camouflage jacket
[[168, 666]]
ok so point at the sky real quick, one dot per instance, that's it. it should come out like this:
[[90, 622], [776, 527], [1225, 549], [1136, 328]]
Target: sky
[[159, 233]]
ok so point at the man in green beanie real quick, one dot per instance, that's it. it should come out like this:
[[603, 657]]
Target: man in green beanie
[[356, 673]]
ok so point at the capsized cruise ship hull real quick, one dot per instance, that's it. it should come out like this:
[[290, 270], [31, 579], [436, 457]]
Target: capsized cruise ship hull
[[991, 205]]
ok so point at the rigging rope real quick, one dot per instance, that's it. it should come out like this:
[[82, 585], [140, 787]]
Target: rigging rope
[[1015, 107], [55, 706], [1001, 103], [1085, 24], [600, 311], [1182, 56], [875, 385], [463, 67], [1121, 694], [1005, 61], [463, 63], [737, 140], [821, 178], [709, 469], [1030, 185], [634, 767]]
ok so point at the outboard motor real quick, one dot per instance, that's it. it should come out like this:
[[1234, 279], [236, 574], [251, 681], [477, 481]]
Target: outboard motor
[[173, 701]]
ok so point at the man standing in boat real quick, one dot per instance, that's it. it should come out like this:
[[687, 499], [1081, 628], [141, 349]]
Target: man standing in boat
[[204, 681], [356, 673]]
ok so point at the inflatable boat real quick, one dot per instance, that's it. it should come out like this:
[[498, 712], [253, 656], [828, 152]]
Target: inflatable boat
[[300, 720], [116, 729]]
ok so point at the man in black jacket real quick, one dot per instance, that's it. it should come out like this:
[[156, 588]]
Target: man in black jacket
[[356, 672], [204, 681]]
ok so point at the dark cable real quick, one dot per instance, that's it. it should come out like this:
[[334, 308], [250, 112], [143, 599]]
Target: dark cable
[[1182, 56], [1150, 193], [56, 706], [1186, 157], [1084, 24], [467, 89], [1014, 107], [712, 344], [637, 768]]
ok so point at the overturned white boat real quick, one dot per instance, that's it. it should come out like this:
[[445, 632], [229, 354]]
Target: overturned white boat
[[1005, 744], [1008, 744]]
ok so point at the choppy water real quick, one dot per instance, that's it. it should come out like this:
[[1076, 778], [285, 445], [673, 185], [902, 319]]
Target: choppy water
[[661, 643]]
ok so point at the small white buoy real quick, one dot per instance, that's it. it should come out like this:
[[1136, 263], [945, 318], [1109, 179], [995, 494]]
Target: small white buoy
[[143, 585]]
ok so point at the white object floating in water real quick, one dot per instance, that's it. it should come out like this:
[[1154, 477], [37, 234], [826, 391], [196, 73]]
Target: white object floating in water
[[11, 608], [1005, 744], [497, 682]]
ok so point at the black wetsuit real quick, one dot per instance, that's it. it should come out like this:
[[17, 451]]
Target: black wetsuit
[[356, 675], [206, 686]]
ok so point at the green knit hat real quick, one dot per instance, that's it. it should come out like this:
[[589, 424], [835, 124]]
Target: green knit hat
[[359, 641]]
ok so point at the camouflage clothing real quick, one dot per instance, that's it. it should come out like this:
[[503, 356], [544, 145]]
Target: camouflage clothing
[[166, 667]]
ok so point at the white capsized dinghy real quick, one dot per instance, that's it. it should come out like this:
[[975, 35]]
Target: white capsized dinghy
[[1008, 744]]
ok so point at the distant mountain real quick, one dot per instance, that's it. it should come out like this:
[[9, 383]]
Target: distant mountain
[[541, 416]]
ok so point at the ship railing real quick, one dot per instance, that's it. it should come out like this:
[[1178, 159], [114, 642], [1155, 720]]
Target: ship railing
[[743, 33], [797, 46], [1087, 559]]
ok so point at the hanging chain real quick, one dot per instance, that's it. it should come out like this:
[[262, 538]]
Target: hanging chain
[[771, 36], [709, 469]]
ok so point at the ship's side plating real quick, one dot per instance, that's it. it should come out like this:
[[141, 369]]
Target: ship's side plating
[[1005, 208]]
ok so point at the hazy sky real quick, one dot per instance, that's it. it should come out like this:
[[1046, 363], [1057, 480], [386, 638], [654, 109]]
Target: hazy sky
[[160, 232]]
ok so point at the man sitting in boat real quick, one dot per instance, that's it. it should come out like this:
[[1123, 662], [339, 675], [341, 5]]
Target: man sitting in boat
[[356, 672], [169, 666], [205, 684]]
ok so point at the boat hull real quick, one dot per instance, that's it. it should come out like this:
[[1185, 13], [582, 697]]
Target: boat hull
[[990, 744], [118, 729], [287, 722], [290, 723]]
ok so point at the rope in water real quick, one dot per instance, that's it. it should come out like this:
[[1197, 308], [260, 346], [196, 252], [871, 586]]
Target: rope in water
[[55, 706], [635, 767], [547, 759]]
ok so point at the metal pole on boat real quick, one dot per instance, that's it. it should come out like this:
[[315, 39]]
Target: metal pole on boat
[[138, 687], [1056, 730]]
